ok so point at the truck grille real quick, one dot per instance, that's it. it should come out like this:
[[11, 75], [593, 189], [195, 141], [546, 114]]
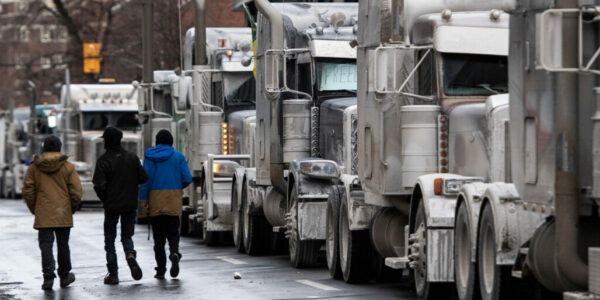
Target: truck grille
[[131, 146], [99, 150]]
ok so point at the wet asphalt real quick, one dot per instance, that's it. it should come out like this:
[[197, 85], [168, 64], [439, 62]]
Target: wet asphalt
[[206, 272]]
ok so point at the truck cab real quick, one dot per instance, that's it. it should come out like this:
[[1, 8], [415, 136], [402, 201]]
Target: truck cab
[[88, 110]]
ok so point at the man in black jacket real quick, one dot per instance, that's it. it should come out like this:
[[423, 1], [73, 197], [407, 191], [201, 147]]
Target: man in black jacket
[[116, 178]]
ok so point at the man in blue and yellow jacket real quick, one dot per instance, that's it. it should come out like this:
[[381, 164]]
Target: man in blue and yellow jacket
[[168, 175]]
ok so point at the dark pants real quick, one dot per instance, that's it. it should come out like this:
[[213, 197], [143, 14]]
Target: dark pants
[[46, 241], [111, 218], [164, 228]]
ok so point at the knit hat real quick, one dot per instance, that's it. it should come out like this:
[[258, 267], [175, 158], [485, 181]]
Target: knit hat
[[52, 144], [164, 137], [112, 137]]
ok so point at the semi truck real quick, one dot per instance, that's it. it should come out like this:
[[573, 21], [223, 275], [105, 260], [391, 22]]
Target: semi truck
[[305, 98], [87, 109], [16, 153], [218, 112], [480, 190], [205, 103]]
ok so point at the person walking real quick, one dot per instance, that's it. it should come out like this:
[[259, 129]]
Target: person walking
[[116, 178], [52, 192], [169, 174]]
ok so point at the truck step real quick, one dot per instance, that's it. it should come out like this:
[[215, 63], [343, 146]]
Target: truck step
[[517, 274], [397, 262]]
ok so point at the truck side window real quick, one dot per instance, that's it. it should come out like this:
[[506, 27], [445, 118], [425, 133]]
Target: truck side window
[[304, 83], [426, 82], [217, 94]]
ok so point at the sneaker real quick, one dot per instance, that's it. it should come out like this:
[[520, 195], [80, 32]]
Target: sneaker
[[160, 274], [111, 278], [136, 271], [65, 281], [48, 283], [175, 257]]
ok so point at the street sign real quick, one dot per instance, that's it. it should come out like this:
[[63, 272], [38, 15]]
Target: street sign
[[91, 65], [91, 58]]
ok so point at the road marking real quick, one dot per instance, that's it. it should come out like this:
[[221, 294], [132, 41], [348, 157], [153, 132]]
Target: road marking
[[317, 285], [231, 260]]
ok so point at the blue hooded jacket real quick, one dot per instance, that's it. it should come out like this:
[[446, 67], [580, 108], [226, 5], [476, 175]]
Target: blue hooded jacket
[[168, 174]]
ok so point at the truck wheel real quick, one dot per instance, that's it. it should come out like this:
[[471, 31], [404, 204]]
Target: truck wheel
[[493, 279], [425, 290], [255, 228], [302, 253], [237, 221], [211, 238], [465, 274], [354, 249], [332, 249]]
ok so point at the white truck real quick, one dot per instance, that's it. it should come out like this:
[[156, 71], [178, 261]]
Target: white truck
[[306, 94], [87, 110], [16, 153]]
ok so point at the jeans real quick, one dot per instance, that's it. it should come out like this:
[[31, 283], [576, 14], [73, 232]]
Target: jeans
[[111, 218], [46, 241], [165, 228]]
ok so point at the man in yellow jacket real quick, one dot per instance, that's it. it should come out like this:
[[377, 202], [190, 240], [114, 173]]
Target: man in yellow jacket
[[52, 191]]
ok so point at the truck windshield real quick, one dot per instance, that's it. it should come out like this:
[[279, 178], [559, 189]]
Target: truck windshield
[[336, 76], [474, 75], [239, 88], [99, 120]]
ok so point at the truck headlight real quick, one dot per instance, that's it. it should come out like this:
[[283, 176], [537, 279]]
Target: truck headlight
[[82, 168], [323, 169], [224, 168], [452, 186]]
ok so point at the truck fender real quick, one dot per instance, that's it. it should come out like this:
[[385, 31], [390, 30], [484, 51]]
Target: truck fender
[[439, 209], [359, 214], [501, 197], [471, 195], [237, 185]]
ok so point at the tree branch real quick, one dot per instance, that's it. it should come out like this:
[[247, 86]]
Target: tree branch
[[68, 21]]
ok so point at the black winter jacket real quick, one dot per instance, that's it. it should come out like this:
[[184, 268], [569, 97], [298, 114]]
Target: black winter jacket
[[116, 178]]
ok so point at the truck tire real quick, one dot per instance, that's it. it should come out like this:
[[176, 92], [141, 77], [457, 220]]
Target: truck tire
[[237, 221], [427, 290], [494, 280], [354, 249], [302, 253], [332, 248], [210, 238], [255, 228], [465, 271]]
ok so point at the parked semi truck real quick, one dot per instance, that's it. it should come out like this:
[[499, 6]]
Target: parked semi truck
[[206, 104], [87, 110], [219, 106], [306, 94], [15, 151], [484, 190]]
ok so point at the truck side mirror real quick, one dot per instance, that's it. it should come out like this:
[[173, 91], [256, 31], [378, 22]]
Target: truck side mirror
[[23, 153], [272, 67], [553, 54], [182, 92]]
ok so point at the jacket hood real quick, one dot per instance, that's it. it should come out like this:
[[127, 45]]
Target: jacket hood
[[159, 153], [50, 162]]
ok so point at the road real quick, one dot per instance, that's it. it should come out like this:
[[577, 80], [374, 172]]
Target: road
[[206, 272]]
